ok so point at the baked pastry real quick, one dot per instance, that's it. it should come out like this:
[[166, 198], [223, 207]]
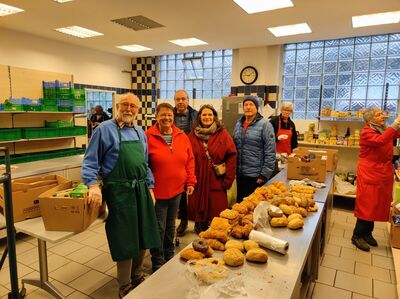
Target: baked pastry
[[274, 211], [279, 221], [287, 210], [257, 255], [239, 208], [229, 214], [302, 211], [234, 244], [209, 252], [215, 244], [214, 234], [221, 224], [247, 218], [249, 205], [191, 254], [295, 223], [233, 257], [200, 245], [313, 208], [237, 232], [294, 216], [250, 244]]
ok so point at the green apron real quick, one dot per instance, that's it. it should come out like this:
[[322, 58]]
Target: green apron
[[131, 224]]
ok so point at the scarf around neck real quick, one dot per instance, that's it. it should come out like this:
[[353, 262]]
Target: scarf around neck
[[205, 133], [378, 128]]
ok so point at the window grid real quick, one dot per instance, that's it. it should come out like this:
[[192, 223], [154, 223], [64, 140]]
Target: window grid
[[363, 85], [102, 98], [214, 74]]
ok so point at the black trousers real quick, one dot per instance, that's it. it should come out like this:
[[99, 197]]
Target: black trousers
[[183, 206], [245, 186], [363, 228]]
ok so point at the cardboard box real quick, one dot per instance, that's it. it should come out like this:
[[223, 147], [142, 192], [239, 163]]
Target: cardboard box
[[332, 155], [314, 170], [66, 214], [25, 194], [394, 233]]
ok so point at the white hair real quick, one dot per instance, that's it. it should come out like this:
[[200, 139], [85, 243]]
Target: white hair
[[287, 106]]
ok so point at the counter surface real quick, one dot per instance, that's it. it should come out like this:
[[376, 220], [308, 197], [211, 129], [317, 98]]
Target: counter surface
[[276, 279]]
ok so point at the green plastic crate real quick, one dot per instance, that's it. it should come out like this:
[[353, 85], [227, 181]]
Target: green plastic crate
[[74, 131], [17, 107], [59, 124], [49, 102], [53, 108], [33, 133], [10, 134], [78, 102], [32, 107], [65, 108], [79, 94]]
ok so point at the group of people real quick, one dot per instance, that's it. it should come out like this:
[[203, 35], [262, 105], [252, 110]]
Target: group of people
[[186, 161]]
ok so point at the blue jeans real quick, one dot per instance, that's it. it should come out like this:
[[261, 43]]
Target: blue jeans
[[166, 211]]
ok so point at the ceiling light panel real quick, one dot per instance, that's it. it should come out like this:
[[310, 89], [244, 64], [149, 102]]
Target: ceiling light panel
[[6, 10], [78, 31], [290, 29], [391, 17], [254, 6], [134, 48], [188, 42], [62, 1]]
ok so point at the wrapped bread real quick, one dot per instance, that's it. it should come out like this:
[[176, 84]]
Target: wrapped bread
[[221, 224], [294, 216], [214, 234], [250, 244], [215, 244], [279, 221], [191, 254], [274, 211], [234, 244], [295, 223], [269, 242], [229, 214], [257, 255], [233, 257]]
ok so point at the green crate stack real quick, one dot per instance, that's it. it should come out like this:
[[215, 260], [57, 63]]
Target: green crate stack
[[33, 133], [79, 94], [65, 108], [10, 134], [59, 124], [13, 107], [73, 131], [49, 102], [15, 159], [78, 102], [32, 107], [53, 108]]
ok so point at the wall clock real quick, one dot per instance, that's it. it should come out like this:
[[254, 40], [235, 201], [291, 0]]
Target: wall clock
[[248, 75]]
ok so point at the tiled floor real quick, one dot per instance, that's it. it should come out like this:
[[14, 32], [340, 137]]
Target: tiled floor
[[81, 266]]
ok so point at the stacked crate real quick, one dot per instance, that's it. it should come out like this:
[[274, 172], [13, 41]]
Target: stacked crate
[[60, 96]]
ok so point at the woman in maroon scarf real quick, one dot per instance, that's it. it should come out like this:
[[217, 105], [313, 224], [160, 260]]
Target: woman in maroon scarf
[[209, 197]]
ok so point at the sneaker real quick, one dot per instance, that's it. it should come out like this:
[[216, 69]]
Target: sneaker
[[360, 243], [137, 280], [124, 290], [181, 230], [370, 240]]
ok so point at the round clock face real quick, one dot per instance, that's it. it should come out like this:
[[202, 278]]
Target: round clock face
[[248, 75]]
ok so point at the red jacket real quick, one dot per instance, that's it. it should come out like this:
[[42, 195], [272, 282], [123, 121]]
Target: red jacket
[[209, 197], [375, 174], [173, 169]]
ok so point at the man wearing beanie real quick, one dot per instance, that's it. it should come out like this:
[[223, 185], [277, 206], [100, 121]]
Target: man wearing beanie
[[255, 143]]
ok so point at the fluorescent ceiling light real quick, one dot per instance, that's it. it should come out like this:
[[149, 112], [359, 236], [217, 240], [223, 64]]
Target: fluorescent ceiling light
[[290, 29], [62, 1], [8, 10], [376, 19], [78, 31], [134, 48], [254, 6], [188, 42]]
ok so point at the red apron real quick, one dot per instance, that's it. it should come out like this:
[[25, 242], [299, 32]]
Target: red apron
[[283, 145]]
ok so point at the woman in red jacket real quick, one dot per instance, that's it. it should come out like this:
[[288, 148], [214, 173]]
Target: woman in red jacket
[[212, 145], [374, 176], [172, 163]]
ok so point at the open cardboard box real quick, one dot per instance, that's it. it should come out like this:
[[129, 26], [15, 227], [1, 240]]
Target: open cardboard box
[[314, 170], [394, 233], [65, 213], [332, 155], [25, 194]]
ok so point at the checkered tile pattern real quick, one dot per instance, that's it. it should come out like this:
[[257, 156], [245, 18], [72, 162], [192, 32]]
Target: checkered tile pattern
[[261, 91], [144, 86]]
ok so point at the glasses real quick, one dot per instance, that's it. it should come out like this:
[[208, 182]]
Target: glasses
[[127, 105]]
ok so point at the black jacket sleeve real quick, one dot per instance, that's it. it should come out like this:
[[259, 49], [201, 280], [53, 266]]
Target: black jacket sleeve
[[293, 141], [274, 122]]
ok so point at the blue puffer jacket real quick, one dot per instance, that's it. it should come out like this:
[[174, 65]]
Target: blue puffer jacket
[[256, 150]]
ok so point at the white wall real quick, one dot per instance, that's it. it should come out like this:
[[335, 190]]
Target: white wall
[[88, 66]]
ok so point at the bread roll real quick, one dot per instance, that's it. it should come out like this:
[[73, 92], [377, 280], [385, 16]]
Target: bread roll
[[250, 244], [296, 223], [215, 244], [257, 255], [279, 221], [234, 244], [294, 216], [191, 254], [233, 257]]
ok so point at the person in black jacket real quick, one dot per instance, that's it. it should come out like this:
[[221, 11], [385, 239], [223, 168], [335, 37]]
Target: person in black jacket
[[98, 117], [285, 130]]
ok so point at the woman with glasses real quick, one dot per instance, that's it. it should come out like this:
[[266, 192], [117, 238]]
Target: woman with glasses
[[285, 130], [171, 160], [213, 147]]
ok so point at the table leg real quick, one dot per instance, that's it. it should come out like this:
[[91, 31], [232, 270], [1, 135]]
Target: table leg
[[43, 282]]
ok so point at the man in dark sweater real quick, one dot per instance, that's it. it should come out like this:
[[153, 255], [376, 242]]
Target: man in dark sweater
[[183, 119]]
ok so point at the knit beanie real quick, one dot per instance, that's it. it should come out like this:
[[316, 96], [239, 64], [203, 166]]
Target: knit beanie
[[251, 98]]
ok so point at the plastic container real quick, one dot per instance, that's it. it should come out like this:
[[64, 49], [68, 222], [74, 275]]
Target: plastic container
[[64, 103], [32, 107], [59, 124], [79, 109], [78, 102], [33, 133], [1, 107], [51, 102], [64, 109], [17, 107], [53, 108], [10, 134], [397, 194], [73, 131]]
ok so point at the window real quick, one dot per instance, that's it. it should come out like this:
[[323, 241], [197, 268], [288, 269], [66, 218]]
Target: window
[[103, 98], [353, 73], [208, 73]]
